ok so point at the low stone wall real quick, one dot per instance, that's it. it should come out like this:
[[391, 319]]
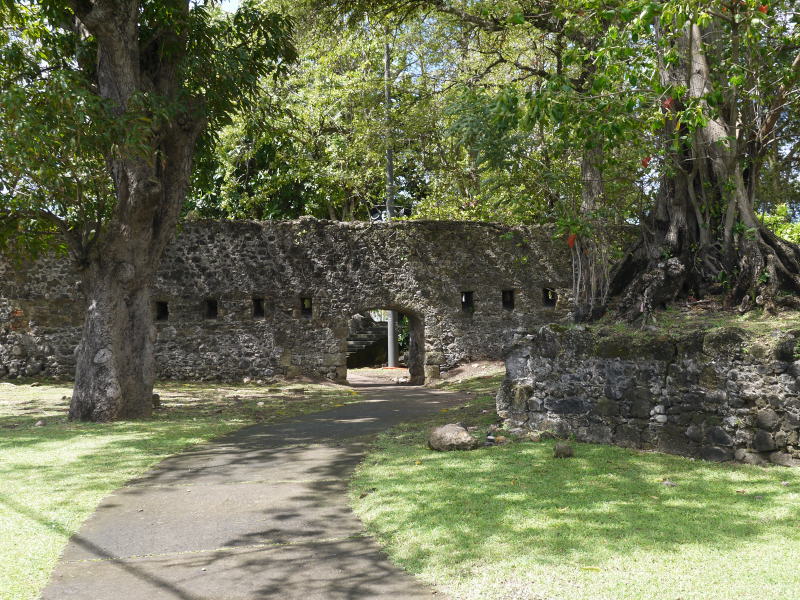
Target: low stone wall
[[236, 300], [719, 394]]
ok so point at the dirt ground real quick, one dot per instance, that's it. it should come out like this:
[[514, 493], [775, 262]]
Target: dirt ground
[[482, 368]]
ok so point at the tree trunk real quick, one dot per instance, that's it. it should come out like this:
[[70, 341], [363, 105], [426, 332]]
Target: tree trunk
[[115, 362], [592, 188], [115, 367], [590, 251], [703, 232]]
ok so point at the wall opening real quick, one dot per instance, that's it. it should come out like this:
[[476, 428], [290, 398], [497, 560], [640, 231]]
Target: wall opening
[[306, 307], [508, 299], [259, 308], [367, 347], [210, 309], [162, 311], [468, 302], [549, 297]]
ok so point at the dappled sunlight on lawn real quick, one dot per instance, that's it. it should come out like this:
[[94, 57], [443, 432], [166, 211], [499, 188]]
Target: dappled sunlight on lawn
[[601, 525]]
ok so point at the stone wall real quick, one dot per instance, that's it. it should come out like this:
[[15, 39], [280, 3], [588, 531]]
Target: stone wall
[[419, 268], [718, 394]]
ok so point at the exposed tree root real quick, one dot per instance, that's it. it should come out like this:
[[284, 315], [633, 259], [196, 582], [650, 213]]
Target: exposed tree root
[[768, 276]]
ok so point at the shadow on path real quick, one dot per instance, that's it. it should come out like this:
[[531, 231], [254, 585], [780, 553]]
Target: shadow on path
[[260, 513]]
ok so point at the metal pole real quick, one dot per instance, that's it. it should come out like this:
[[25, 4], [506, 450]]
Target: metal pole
[[387, 90], [393, 348], [391, 332]]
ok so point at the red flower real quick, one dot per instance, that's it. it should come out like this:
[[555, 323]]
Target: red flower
[[571, 240], [668, 103], [646, 161], [763, 8]]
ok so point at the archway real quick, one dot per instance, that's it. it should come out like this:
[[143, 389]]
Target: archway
[[367, 341]]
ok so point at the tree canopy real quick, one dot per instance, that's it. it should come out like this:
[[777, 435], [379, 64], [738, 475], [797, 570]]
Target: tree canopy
[[675, 116]]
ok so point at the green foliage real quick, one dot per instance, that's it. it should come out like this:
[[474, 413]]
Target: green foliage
[[59, 134], [780, 221], [316, 144]]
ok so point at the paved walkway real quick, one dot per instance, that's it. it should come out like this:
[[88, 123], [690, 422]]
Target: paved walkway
[[262, 513]]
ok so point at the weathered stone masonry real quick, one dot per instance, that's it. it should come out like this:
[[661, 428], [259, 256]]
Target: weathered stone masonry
[[718, 394], [247, 299]]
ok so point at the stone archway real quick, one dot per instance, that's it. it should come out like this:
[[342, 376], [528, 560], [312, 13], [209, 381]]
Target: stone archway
[[416, 340]]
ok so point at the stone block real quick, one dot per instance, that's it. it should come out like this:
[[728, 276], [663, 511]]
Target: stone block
[[716, 454], [763, 441], [598, 434], [783, 348], [724, 342], [695, 433], [434, 358], [719, 437], [606, 407], [767, 419], [568, 406], [784, 459], [451, 437], [781, 438], [521, 394], [751, 458]]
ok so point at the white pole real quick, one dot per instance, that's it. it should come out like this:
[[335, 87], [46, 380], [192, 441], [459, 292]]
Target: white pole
[[391, 328], [391, 331]]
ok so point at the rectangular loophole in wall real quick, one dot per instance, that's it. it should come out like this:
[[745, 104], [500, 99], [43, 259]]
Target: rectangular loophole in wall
[[468, 302], [306, 307], [210, 309], [162, 311], [508, 299], [259, 308], [549, 297]]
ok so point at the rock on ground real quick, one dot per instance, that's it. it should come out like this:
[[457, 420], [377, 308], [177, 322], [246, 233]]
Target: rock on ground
[[451, 437]]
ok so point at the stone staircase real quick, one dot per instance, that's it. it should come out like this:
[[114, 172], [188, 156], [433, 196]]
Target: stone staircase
[[366, 343]]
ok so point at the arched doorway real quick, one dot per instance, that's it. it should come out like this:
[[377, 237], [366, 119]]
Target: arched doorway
[[367, 341]]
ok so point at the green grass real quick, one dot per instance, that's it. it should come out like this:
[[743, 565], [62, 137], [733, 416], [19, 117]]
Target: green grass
[[677, 320], [53, 476], [511, 522]]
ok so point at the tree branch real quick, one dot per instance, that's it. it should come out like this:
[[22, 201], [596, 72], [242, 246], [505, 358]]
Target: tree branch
[[777, 104], [487, 24]]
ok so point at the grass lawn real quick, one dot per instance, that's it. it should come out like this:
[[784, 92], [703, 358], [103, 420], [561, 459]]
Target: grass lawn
[[513, 522], [52, 476]]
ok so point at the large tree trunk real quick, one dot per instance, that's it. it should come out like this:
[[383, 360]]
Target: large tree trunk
[[115, 367], [703, 233], [590, 249]]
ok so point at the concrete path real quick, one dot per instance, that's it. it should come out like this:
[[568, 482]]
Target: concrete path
[[262, 513]]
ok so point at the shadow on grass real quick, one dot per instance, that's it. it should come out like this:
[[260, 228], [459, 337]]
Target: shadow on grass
[[605, 502]]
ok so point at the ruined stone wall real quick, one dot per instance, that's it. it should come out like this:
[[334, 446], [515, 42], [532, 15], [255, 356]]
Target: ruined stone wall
[[419, 268], [720, 394]]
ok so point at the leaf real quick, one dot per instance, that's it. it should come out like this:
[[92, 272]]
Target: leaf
[[736, 80]]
